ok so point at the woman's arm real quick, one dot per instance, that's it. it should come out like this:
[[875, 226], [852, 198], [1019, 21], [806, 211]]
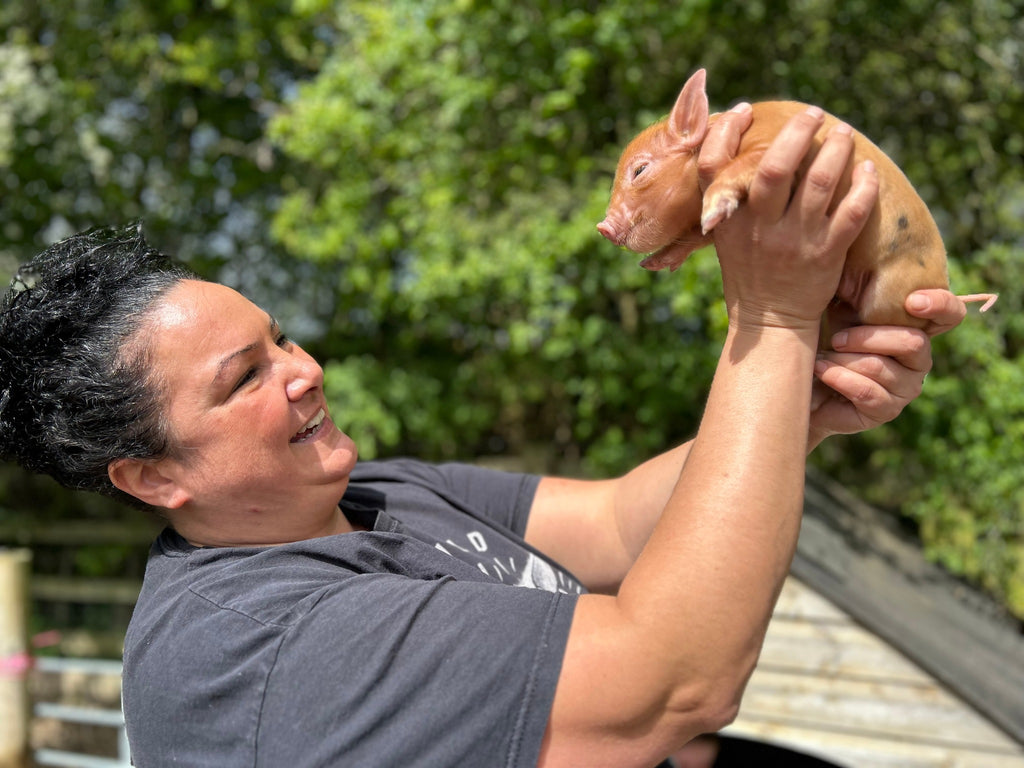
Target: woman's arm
[[598, 528], [668, 656]]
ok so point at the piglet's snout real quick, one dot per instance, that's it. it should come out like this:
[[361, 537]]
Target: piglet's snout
[[612, 230]]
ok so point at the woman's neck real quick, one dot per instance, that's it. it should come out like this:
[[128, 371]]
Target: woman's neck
[[256, 528]]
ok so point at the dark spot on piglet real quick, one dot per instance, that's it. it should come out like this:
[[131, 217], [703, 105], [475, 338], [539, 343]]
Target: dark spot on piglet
[[902, 223]]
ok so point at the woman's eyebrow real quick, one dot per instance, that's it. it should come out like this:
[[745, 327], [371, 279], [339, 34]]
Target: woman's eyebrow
[[225, 363]]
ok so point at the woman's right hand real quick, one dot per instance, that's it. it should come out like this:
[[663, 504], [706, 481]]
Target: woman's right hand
[[782, 252]]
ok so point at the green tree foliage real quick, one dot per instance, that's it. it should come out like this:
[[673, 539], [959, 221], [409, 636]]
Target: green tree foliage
[[455, 168], [115, 111], [431, 172]]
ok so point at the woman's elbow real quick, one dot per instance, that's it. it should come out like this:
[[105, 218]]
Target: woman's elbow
[[708, 705]]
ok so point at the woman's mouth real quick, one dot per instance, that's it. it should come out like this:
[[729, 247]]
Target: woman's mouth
[[312, 427]]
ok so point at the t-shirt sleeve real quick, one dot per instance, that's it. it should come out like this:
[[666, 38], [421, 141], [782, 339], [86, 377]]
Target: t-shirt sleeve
[[502, 497], [388, 670]]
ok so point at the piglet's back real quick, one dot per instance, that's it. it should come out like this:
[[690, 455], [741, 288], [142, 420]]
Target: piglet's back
[[900, 249]]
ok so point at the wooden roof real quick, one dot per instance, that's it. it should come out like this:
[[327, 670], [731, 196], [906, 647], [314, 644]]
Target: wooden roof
[[876, 657]]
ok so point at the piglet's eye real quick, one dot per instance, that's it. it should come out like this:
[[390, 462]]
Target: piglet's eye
[[639, 169]]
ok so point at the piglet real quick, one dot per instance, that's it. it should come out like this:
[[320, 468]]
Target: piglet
[[657, 208]]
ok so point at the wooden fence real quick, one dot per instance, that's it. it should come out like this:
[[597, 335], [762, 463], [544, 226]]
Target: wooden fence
[[17, 663], [86, 576], [15, 660], [73, 574]]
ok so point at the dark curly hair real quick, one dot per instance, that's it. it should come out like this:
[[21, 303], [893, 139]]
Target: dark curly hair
[[74, 391]]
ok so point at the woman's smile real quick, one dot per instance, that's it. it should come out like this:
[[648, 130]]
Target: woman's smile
[[312, 427]]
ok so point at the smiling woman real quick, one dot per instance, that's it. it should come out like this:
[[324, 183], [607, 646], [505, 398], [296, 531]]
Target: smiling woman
[[249, 421], [304, 609]]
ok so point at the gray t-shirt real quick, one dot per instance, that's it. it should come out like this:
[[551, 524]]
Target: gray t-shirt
[[406, 645]]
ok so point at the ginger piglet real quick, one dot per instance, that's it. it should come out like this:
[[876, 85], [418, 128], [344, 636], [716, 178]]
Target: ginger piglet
[[657, 208]]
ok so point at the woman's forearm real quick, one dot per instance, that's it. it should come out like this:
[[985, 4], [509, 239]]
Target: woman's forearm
[[730, 525], [685, 628]]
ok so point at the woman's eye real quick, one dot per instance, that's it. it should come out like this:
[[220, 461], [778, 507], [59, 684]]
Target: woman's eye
[[248, 376], [280, 340]]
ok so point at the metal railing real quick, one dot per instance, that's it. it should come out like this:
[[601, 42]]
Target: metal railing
[[112, 718]]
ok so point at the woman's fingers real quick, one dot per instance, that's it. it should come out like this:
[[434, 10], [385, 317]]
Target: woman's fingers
[[873, 374], [941, 308], [909, 346], [852, 212], [814, 196], [770, 191], [865, 378]]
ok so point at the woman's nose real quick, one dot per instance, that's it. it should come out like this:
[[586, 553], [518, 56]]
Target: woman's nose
[[304, 375]]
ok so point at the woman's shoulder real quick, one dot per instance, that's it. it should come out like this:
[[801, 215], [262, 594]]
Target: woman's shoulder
[[280, 584]]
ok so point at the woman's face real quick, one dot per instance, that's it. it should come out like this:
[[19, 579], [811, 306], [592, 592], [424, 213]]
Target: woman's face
[[245, 407]]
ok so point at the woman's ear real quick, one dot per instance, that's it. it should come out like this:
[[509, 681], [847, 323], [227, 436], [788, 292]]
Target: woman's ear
[[148, 482]]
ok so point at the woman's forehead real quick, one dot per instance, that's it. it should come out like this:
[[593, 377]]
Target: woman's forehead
[[197, 320], [196, 303]]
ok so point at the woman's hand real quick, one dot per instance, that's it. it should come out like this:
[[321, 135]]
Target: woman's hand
[[875, 371], [782, 251]]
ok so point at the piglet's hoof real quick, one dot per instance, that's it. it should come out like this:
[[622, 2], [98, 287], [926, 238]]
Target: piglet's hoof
[[718, 206]]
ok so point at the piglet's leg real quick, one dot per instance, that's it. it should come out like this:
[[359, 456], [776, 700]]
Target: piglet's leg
[[730, 188]]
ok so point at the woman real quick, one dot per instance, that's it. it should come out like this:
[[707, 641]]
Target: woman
[[277, 626]]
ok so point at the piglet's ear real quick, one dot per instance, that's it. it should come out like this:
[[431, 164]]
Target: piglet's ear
[[688, 121]]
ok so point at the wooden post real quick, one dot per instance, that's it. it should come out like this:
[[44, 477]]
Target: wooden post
[[15, 660]]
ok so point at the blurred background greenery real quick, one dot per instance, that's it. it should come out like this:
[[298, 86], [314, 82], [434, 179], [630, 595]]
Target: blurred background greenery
[[412, 187]]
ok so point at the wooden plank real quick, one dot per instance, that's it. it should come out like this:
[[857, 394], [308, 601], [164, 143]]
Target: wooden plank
[[15, 565], [828, 687], [788, 682], [140, 532], [62, 589], [799, 601], [855, 557], [836, 650], [890, 711]]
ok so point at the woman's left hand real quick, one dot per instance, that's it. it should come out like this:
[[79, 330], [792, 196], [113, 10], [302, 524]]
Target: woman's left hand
[[875, 371]]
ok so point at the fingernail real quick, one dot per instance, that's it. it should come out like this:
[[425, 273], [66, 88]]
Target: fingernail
[[820, 366], [869, 167], [840, 339], [816, 112], [743, 106], [843, 128], [918, 302]]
